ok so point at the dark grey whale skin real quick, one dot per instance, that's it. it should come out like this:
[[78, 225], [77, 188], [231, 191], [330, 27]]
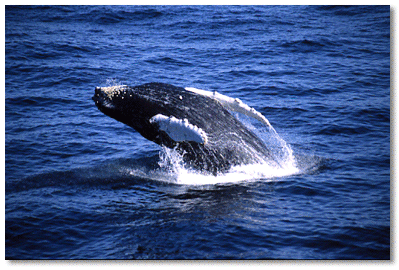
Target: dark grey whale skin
[[229, 141]]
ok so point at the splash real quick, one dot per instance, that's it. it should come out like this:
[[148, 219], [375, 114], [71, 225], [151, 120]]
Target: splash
[[175, 171], [113, 82]]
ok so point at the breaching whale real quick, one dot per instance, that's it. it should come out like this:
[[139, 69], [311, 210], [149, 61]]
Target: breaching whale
[[196, 123]]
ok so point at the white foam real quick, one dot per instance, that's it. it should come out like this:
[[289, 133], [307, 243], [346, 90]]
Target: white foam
[[180, 129], [173, 170], [242, 173]]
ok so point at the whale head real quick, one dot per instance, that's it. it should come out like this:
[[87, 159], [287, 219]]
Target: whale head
[[117, 102], [153, 110]]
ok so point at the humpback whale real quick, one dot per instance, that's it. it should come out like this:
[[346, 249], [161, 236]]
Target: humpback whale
[[196, 123]]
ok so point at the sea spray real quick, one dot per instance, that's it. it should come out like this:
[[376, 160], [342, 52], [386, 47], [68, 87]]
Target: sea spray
[[176, 171]]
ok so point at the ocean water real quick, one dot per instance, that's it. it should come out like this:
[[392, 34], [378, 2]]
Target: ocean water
[[80, 185]]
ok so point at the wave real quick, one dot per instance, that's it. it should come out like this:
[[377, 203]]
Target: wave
[[105, 15], [39, 101], [334, 129], [168, 61], [98, 14], [351, 11], [114, 172], [307, 45]]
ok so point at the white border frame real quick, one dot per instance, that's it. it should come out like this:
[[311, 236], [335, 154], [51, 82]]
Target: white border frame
[[240, 263]]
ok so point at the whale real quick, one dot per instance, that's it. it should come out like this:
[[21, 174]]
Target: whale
[[198, 124]]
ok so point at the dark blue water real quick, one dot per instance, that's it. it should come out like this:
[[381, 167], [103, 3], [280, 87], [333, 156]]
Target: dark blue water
[[80, 185]]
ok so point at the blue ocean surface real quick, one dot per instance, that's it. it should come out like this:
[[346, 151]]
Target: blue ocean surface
[[80, 185]]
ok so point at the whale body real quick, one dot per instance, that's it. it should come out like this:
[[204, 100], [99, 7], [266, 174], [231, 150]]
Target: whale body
[[194, 122]]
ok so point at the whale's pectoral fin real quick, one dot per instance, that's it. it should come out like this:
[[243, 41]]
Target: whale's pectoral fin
[[179, 130], [232, 104]]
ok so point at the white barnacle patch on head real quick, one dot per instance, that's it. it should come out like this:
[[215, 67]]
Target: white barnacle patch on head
[[180, 130], [113, 91]]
